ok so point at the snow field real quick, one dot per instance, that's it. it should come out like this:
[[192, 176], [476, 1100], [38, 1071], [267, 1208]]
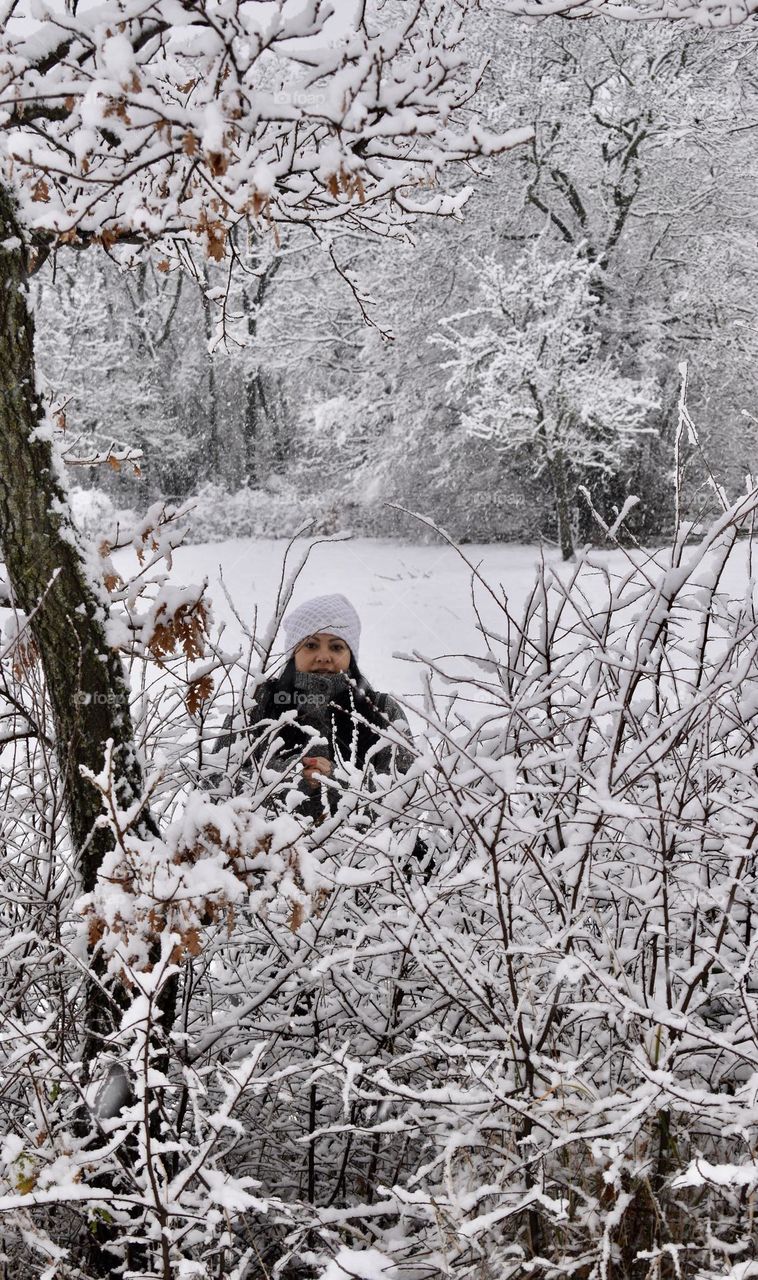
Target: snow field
[[412, 598]]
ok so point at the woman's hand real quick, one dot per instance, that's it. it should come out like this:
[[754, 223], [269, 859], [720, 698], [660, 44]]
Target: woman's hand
[[314, 767]]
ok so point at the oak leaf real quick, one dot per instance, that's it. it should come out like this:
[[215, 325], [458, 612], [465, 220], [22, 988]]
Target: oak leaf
[[218, 163], [198, 692], [110, 236], [24, 655]]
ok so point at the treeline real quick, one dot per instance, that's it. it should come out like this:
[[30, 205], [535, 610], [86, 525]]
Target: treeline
[[487, 375]]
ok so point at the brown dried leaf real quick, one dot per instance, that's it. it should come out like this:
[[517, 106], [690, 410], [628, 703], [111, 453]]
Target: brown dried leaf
[[320, 899], [190, 629], [216, 241], [186, 628], [257, 203], [215, 234], [40, 191], [24, 656], [163, 640], [192, 942], [118, 108], [189, 144], [96, 930], [110, 236], [198, 692], [218, 163]]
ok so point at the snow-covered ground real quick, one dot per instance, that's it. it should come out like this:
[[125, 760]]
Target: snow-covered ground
[[410, 597]]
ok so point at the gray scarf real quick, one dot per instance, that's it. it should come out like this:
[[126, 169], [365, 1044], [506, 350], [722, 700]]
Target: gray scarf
[[313, 694]]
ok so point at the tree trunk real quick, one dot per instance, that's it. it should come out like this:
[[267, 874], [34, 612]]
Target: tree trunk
[[51, 583], [254, 396], [256, 408], [50, 580], [212, 442], [251, 426], [557, 465]]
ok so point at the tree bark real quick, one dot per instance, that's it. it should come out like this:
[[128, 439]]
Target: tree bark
[[84, 678], [557, 467], [50, 580], [212, 443], [256, 409], [254, 416]]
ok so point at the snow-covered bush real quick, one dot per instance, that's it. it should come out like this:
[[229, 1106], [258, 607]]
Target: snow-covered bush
[[526, 1045], [93, 510], [278, 511]]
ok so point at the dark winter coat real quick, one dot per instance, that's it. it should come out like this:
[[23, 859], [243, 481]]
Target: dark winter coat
[[339, 716]]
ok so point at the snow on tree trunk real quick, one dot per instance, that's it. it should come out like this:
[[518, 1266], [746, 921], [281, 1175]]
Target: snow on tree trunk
[[51, 581]]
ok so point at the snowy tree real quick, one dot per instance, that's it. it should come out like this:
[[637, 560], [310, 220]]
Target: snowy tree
[[528, 367], [627, 121], [703, 13], [640, 152], [118, 355]]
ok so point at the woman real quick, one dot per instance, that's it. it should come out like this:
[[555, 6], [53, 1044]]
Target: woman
[[340, 722]]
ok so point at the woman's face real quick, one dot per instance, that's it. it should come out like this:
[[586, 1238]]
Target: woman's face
[[322, 652]]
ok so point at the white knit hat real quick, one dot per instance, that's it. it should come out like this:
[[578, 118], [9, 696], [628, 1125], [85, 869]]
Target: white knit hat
[[333, 614]]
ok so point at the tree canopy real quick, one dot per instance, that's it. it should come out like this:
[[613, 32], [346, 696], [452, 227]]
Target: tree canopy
[[122, 122]]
